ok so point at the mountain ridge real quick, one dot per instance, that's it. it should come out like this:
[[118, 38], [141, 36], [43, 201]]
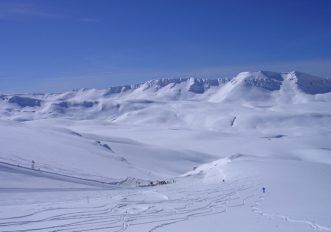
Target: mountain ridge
[[261, 88], [162, 82]]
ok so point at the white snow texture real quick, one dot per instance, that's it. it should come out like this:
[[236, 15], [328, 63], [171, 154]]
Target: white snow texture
[[170, 155]]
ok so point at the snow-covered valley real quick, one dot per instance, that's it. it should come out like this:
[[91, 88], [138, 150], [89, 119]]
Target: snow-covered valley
[[214, 143]]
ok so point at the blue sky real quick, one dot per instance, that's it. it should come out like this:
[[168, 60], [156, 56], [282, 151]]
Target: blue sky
[[50, 46]]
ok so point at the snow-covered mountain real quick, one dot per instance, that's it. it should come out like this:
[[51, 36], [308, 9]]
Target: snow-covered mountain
[[215, 143], [261, 87]]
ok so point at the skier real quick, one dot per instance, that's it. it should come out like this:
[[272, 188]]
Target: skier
[[32, 165], [263, 189], [223, 180]]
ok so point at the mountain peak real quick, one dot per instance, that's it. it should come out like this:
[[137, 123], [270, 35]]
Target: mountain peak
[[308, 83], [244, 85], [263, 79], [191, 84]]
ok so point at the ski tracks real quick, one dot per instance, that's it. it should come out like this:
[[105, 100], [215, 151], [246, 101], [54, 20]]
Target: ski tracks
[[131, 209], [153, 209], [257, 209]]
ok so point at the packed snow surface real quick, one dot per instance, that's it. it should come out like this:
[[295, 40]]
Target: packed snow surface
[[170, 155]]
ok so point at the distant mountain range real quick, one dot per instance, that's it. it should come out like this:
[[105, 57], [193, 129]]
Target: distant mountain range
[[253, 87]]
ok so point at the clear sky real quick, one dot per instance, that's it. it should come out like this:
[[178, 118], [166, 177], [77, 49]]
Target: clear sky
[[58, 45]]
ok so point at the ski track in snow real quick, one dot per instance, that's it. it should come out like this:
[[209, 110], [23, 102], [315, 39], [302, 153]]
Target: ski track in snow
[[120, 216], [180, 204], [256, 209]]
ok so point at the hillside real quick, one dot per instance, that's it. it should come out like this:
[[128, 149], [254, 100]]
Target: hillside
[[215, 143]]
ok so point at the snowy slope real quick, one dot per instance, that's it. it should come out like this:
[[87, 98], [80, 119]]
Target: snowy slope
[[95, 149], [103, 158]]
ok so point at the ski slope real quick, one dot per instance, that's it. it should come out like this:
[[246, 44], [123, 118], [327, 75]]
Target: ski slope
[[215, 142]]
